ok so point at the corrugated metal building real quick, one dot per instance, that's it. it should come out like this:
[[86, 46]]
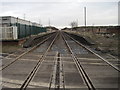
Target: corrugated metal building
[[12, 28]]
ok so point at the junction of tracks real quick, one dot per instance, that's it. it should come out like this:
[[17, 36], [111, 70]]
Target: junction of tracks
[[59, 62]]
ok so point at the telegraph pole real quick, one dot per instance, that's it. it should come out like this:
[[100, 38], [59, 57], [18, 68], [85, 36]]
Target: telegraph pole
[[39, 21], [49, 22], [119, 13], [85, 15], [77, 22], [24, 17], [84, 19]]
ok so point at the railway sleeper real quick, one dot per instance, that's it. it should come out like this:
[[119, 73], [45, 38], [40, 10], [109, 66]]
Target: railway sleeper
[[57, 82]]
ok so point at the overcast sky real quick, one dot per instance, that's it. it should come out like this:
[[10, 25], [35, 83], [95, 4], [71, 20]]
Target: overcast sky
[[62, 12]]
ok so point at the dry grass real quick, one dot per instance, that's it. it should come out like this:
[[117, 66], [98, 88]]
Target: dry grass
[[102, 40], [109, 44], [10, 48]]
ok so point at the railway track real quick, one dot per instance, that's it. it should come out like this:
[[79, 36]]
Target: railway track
[[64, 64], [21, 54], [35, 69], [80, 68], [108, 62]]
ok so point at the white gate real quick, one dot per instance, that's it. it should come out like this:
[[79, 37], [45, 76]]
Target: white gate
[[8, 33]]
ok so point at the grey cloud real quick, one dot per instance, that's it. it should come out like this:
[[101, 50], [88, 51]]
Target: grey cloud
[[62, 12]]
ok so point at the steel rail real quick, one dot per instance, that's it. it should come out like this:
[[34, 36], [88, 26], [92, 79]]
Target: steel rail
[[51, 76], [63, 75], [57, 76], [110, 64], [80, 68], [17, 58], [32, 74]]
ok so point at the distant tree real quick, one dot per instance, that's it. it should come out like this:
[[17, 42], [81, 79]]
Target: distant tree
[[73, 24]]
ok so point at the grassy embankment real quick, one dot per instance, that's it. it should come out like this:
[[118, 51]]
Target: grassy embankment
[[105, 43]]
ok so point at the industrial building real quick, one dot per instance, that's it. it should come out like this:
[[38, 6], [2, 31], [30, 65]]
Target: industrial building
[[12, 28]]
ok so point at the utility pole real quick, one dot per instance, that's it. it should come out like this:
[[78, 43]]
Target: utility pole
[[92, 28], [40, 22], [77, 22], [76, 25], [49, 25], [85, 15], [84, 20], [49, 22], [24, 17], [119, 13]]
